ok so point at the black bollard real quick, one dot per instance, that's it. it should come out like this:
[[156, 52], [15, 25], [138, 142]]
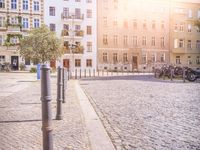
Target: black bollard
[[183, 74], [76, 74], [59, 94], [171, 74], [85, 73], [46, 108], [64, 84], [80, 73]]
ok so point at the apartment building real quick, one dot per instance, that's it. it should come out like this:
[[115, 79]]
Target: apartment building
[[132, 35], [184, 36], [74, 21], [16, 18]]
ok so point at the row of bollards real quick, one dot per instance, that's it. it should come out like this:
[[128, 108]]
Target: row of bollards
[[46, 102]]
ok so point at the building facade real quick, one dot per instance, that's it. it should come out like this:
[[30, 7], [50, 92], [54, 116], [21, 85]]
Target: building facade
[[132, 35], [184, 36], [74, 21], [16, 18]]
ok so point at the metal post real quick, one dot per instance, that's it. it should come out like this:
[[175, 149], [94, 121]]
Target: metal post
[[59, 94], [183, 74], [76, 74], [64, 85], [85, 73], [164, 75], [171, 74], [46, 108], [80, 73]]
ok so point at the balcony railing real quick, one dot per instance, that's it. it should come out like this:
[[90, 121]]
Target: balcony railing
[[70, 16], [79, 33], [74, 50]]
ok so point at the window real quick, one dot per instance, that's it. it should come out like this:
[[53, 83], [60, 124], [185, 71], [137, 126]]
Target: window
[[14, 40], [190, 13], [77, 0], [178, 60], [176, 27], [189, 28], [189, 60], [115, 22], [77, 13], [77, 62], [181, 27], [162, 42], [2, 21], [144, 40], [115, 58], [162, 24], [89, 30], [125, 58], [144, 58], [105, 22], [52, 11], [105, 39], [135, 24], [66, 27], [181, 43], [52, 27], [115, 39], [89, 46], [13, 4], [144, 25], [25, 4], [162, 58], [89, 13], [77, 27], [89, 62], [198, 44], [153, 41], [2, 59], [2, 3], [189, 44], [36, 6], [25, 23], [153, 57], [153, 24], [198, 60], [27, 61], [105, 57], [65, 12], [14, 20], [36, 23], [89, 1], [125, 40], [134, 40]]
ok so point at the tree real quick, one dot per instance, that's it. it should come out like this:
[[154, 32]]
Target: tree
[[41, 45]]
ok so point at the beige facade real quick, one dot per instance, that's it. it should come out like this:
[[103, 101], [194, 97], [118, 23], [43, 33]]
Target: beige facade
[[185, 37], [16, 18], [132, 35]]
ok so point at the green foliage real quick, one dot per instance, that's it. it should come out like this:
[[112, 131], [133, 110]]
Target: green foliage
[[40, 45], [22, 66], [33, 70]]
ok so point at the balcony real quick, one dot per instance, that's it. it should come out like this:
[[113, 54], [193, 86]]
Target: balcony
[[179, 50], [13, 29], [76, 49], [72, 17], [77, 34]]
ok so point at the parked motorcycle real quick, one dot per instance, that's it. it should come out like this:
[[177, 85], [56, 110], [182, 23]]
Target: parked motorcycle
[[193, 74]]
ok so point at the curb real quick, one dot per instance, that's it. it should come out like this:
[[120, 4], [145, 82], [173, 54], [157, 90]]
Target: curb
[[98, 136]]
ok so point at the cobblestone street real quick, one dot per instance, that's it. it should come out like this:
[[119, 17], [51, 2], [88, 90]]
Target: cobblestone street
[[20, 116], [144, 113]]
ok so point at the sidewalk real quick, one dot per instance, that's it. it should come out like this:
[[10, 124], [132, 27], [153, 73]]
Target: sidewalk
[[20, 120]]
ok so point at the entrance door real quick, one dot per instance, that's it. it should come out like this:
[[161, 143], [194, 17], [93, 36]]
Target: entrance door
[[15, 62], [134, 63], [66, 63]]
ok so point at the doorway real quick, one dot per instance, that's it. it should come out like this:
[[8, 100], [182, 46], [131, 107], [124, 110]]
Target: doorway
[[134, 63], [66, 63], [15, 62]]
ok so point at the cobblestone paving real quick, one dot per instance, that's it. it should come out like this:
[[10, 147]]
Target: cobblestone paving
[[146, 113], [20, 120]]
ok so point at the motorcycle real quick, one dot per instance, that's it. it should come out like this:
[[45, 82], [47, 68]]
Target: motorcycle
[[193, 74]]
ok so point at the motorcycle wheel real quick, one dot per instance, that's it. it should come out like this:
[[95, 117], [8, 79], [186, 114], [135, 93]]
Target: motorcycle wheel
[[191, 76]]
